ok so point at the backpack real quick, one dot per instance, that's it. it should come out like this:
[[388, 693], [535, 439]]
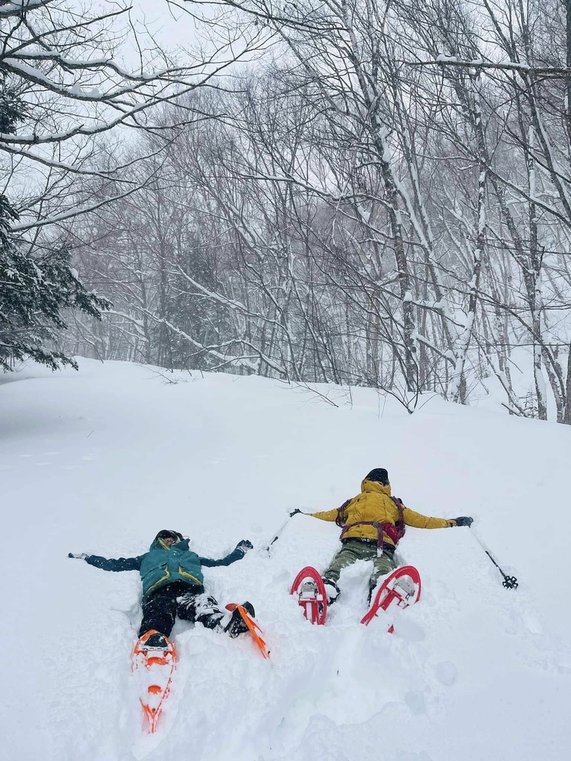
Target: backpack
[[395, 531]]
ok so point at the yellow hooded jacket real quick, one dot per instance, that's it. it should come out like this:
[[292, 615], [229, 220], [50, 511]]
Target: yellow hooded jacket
[[374, 504]]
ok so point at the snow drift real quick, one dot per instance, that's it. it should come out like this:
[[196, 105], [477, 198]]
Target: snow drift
[[99, 461]]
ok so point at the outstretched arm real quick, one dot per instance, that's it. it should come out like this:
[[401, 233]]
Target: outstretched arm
[[418, 520], [237, 554], [110, 564], [326, 515]]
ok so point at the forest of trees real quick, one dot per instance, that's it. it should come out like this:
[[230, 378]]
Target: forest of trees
[[371, 192]]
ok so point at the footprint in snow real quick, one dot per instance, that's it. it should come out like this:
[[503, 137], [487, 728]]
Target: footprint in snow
[[446, 673]]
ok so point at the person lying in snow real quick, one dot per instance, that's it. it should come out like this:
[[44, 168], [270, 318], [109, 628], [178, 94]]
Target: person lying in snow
[[173, 585], [372, 524]]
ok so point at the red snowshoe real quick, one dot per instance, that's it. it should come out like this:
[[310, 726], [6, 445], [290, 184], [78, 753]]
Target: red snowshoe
[[154, 661], [401, 587], [311, 594]]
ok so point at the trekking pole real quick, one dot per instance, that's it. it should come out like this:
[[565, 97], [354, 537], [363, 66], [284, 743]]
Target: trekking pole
[[509, 582], [280, 530]]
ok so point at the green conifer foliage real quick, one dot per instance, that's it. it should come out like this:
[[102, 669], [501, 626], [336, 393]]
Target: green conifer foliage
[[34, 290]]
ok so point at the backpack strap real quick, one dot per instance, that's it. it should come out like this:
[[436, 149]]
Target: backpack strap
[[395, 531], [341, 519], [380, 528]]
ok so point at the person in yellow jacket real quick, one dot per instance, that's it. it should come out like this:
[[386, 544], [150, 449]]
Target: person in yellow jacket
[[372, 524]]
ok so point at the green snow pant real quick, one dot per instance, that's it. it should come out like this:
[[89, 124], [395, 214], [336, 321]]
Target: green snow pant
[[353, 550]]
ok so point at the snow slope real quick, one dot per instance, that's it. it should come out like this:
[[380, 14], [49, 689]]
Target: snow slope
[[100, 460]]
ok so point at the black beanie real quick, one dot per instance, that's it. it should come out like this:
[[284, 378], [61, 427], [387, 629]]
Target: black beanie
[[378, 474], [166, 533]]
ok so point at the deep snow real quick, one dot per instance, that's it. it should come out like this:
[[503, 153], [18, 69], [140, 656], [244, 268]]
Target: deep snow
[[100, 460]]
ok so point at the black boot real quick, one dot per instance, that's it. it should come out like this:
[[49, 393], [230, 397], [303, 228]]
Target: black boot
[[156, 640], [236, 625], [331, 590]]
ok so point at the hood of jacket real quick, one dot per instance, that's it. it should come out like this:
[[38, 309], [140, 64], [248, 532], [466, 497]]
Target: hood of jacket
[[158, 544], [375, 486]]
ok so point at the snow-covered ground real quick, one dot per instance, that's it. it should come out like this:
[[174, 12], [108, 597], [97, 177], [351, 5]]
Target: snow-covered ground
[[98, 461]]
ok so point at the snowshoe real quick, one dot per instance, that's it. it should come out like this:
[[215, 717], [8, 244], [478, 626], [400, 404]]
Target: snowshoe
[[401, 587], [242, 621], [154, 661], [311, 594], [236, 625]]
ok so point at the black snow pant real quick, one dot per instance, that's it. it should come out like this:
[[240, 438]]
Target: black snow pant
[[188, 602]]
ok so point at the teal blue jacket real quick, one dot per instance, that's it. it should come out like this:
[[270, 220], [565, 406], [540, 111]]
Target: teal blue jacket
[[162, 565]]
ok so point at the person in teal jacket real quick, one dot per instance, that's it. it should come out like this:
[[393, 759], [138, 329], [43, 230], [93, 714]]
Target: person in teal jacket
[[173, 584]]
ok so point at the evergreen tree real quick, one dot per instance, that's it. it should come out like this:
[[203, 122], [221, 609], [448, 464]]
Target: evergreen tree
[[34, 289]]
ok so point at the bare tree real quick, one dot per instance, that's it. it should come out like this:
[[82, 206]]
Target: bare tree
[[62, 87], [385, 202]]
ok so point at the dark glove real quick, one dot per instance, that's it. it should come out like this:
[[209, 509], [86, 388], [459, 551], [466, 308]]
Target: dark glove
[[77, 555], [295, 512], [244, 545], [464, 521]]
